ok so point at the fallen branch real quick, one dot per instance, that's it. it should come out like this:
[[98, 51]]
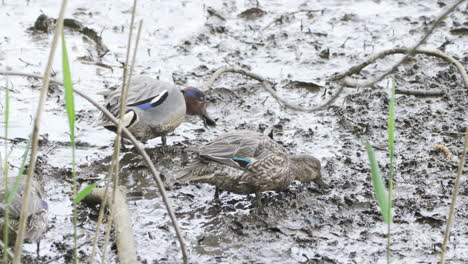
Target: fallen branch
[[346, 80], [144, 154], [267, 86], [410, 52], [122, 221], [419, 92], [30, 75]]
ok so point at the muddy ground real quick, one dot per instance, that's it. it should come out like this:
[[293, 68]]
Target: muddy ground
[[184, 42]]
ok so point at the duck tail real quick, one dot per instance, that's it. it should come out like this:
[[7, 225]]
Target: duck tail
[[102, 121], [193, 172]]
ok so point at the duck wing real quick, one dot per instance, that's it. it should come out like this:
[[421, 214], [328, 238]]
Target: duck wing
[[144, 92], [237, 149]]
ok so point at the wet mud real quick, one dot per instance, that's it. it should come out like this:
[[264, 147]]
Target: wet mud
[[297, 46]]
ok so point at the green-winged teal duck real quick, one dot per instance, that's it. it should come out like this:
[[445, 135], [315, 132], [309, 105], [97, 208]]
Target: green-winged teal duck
[[247, 162], [155, 108], [37, 221]]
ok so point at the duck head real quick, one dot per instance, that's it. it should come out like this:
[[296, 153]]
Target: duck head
[[306, 168], [196, 102]]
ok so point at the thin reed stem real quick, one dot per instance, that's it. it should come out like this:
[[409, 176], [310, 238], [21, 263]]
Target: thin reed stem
[[6, 222], [35, 137], [391, 150], [115, 158], [123, 106], [75, 206], [456, 187], [129, 44]]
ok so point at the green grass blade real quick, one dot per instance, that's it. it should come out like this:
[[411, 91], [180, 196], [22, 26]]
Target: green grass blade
[[391, 151], [67, 82], [83, 193], [379, 187], [70, 107]]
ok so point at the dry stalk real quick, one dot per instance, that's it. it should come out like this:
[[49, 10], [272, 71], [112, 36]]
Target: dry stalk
[[267, 86], [35, 137], [116, 167], [6, 139], [454, 198], [410, 52], [2, 245], [115, 157]]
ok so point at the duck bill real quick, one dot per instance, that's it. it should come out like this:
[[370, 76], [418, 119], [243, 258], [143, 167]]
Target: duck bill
[[206, 118], [321, 183]]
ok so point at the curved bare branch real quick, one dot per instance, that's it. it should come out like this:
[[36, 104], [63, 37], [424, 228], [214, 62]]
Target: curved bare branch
[[345, 78], [267, 86]]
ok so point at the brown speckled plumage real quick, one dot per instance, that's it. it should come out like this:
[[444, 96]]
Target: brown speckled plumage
[[37, 221], [246, 162]]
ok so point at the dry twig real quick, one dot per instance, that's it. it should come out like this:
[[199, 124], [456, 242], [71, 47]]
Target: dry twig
[[420, 93], [115, 161], [267, 86], [461, 164], [115, 157], [409, 52], [35, 138], [345, 78]]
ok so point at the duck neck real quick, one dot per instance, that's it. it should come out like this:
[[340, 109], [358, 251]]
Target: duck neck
[[295, 168]]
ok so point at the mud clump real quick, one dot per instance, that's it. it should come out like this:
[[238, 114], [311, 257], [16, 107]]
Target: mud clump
[[46, 24]]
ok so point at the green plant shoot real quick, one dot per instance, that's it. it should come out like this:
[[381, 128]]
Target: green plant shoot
[[70, 107], [379, 187]]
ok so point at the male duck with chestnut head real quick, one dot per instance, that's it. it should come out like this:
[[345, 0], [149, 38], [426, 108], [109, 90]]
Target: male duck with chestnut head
[[155, 108]]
